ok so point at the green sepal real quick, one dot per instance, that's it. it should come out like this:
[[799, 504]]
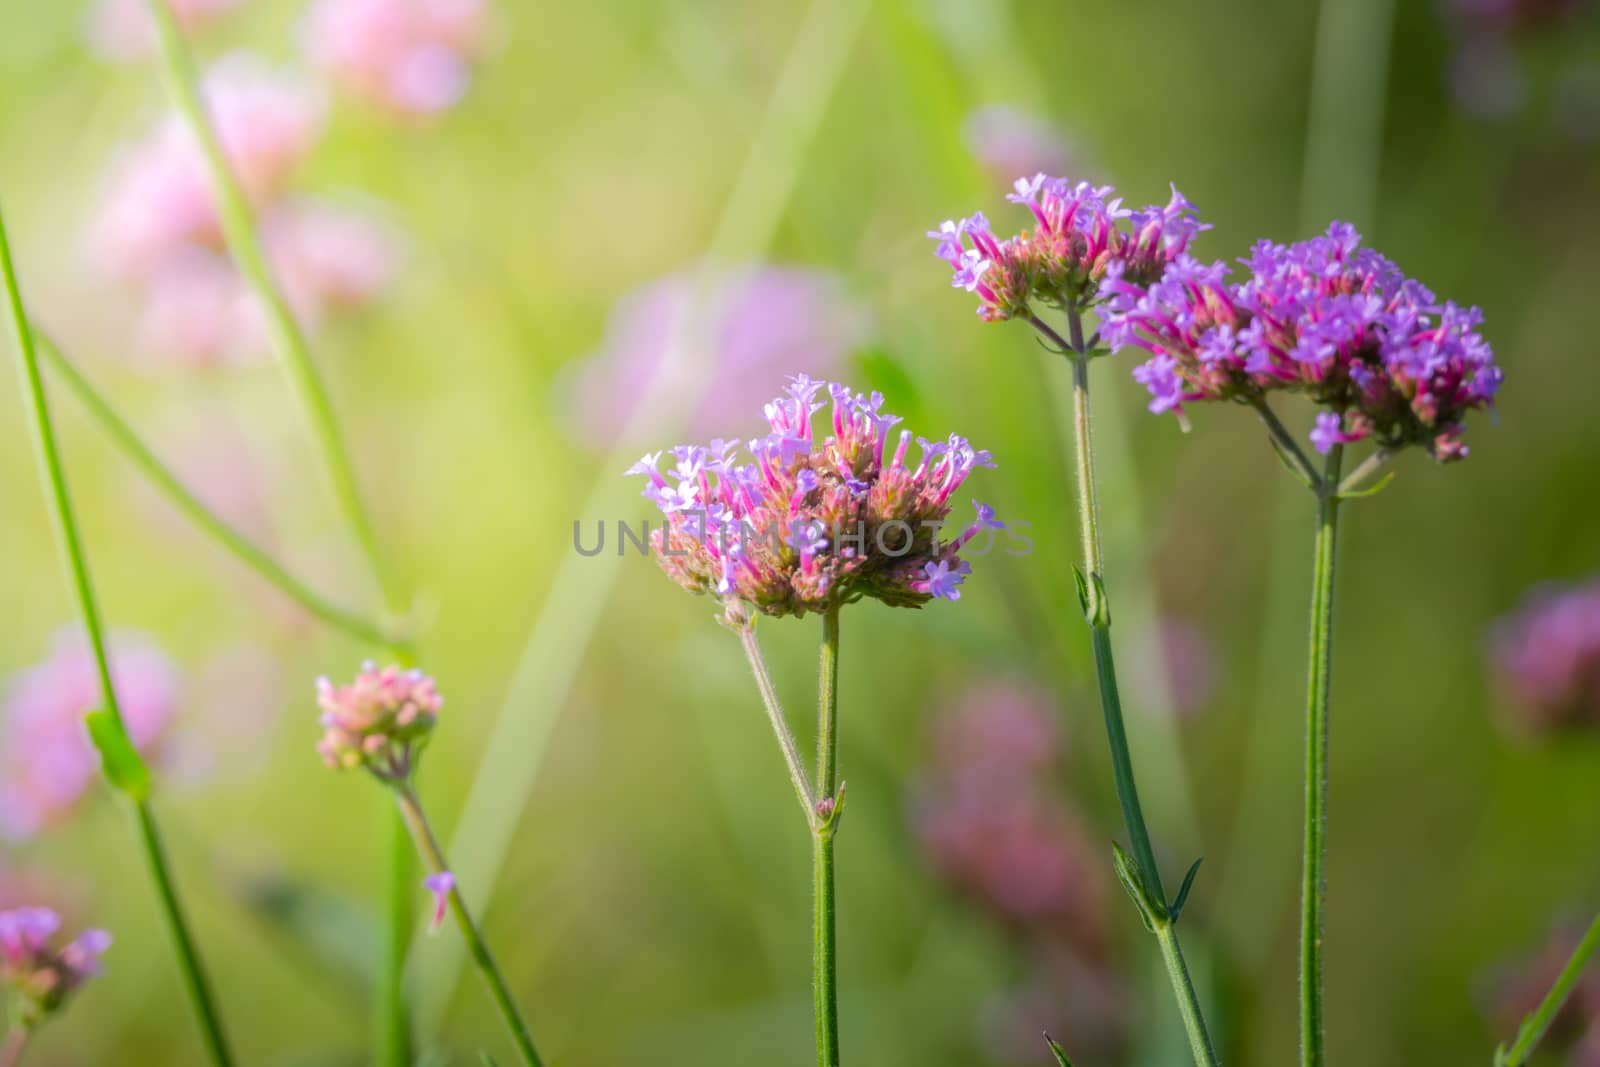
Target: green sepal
[[1060, 1053], [1176, 907], [1151, 913], [118, 758]]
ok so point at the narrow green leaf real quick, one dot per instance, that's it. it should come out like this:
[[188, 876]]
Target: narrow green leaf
[[488, 1060], [1083, 591], [1060, 1053], [1371, 490], [1100, 604], [118, 758], [1289, 462], [1176, 907]]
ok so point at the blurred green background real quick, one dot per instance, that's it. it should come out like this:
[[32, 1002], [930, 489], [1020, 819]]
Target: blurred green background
[[651, 905]]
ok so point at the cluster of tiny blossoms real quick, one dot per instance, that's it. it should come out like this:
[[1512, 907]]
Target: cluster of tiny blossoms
[[41, 975], [1325, 318], [1547, 657], [1081, 234], [377, 721], [812, 523]]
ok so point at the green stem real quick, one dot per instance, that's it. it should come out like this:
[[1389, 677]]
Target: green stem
[[247, 552], [780, 725], [1097, 611], [1313, 884], [233, 211], [825, 980], [389, 1022], [1534, 1026], [68, 541], [433, 858]]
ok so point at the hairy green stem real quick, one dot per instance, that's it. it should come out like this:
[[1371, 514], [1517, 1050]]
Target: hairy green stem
[[389, 1024], [233, 211], [184, 499], [433, 858], [1535, 1025], [1098, 614], [70, 544], [780, 725], [1313, 883], [824, 977]]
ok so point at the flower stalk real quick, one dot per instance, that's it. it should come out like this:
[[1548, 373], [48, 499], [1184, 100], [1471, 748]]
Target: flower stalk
[[119, 758], [823, 964], [1314, 883], [1534, 1027], [1159, 916], [433, 858], [289, 341]]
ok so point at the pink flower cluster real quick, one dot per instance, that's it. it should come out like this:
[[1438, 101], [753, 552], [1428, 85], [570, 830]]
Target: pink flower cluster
[[46, 760], [157, 228], [994, 827], [379, 721], [41, 975], [1325, 318], [761, 323], [1547, 658], [412, 57], [1081, 233], [812, 523]]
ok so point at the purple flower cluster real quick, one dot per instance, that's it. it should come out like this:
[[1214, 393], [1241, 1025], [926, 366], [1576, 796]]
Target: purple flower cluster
[[41, 975], [1081, 233], [1547, 657], [1325, 318], [377, 721], [811, 523]]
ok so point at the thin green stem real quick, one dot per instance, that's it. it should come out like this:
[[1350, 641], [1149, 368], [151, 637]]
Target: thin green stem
[[389, 1022], [70, 544], [1535, 1025], [780, 725], [233, 211], [184, 499], [825, 979], [433, 858], [1097, 611], [1313, 884], [16, 1044]]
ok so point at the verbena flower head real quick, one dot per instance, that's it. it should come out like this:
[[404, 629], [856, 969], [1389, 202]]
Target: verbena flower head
[[379, 721], [1323, 318], [808, 523], [1547, 657], [46, 760], [41, 975], [1080, 232]]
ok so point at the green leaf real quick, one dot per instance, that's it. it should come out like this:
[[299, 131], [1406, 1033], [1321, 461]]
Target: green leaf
[[1176, 907], [1060, 1053], [1289, 462], [118, 758], [1371, 490], [1083, 589], [1132, 879]]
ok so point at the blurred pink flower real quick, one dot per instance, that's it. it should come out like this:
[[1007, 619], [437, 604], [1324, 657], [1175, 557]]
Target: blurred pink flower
[[1081, 1003], [1547, 658], [120, 29], [46, 760], [1013, 143], [157, 202], [412, 57], [992, 824], [217, 461], [1519, 989], [770, 323], [329, 257], [1179, 668], [197, 312]]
